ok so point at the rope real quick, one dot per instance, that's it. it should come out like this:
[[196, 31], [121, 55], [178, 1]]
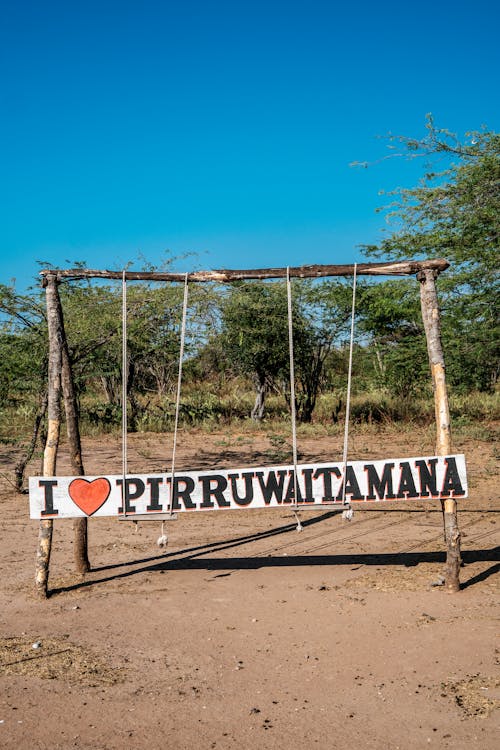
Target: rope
[[349, 513], [292, 395], [124, 392]]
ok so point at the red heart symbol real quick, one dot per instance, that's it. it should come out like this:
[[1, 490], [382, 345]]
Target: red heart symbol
[[89, 495]]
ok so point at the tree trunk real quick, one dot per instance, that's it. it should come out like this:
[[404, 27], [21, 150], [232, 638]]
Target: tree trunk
[[53, 428], [80, 525], [111, 389], [453, 555], [430, 316], [311, 381], [257, 412]]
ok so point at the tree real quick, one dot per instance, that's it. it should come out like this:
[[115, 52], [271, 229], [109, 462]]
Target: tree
[[326, 308], [23, 365], [93, 320], [256, 341], [389, 313], [454, 212], [255, 336]]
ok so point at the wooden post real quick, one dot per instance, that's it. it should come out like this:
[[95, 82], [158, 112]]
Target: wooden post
[[53, 428], [80, 525], [430, 316]]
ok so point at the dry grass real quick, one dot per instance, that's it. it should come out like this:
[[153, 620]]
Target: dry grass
[[473, 695], [55, 658]]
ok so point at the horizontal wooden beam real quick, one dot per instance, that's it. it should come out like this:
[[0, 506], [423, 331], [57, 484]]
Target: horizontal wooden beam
[[399, 268]]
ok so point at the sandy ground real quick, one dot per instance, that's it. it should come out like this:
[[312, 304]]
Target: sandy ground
[[245, 633]]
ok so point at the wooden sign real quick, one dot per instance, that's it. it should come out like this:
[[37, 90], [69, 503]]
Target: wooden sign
[[408, 479]]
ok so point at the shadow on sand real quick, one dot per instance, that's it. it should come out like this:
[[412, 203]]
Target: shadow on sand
[[192, 558]]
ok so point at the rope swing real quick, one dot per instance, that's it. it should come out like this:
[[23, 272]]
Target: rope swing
[[162, 540], [124, 394], [348, 512], [292, 398]]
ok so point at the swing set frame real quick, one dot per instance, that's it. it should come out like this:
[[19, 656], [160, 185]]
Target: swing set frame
[[61, 384]]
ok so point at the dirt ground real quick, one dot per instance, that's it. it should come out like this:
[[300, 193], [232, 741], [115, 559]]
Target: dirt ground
[[245, 633]]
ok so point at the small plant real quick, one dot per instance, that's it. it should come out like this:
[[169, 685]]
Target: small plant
[[280, 450]]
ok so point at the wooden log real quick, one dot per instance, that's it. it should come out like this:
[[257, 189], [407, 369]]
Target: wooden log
[[80, 525], [53, 429], [432, 326], [453, 553], [399, 268]]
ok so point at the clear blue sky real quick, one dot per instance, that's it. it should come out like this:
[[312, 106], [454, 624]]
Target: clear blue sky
[[222, 128]]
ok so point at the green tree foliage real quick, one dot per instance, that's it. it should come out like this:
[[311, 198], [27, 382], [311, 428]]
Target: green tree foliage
[[93, 321], [92, 317], [454, 212], [23, 344], [389, 317], [255, 337]]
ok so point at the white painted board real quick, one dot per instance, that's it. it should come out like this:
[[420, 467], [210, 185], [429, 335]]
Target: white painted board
[[410, 479]]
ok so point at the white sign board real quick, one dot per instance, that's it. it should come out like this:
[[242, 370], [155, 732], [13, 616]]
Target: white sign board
[[410, 479]]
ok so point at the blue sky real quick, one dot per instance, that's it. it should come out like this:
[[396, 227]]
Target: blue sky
[[224, 129]]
